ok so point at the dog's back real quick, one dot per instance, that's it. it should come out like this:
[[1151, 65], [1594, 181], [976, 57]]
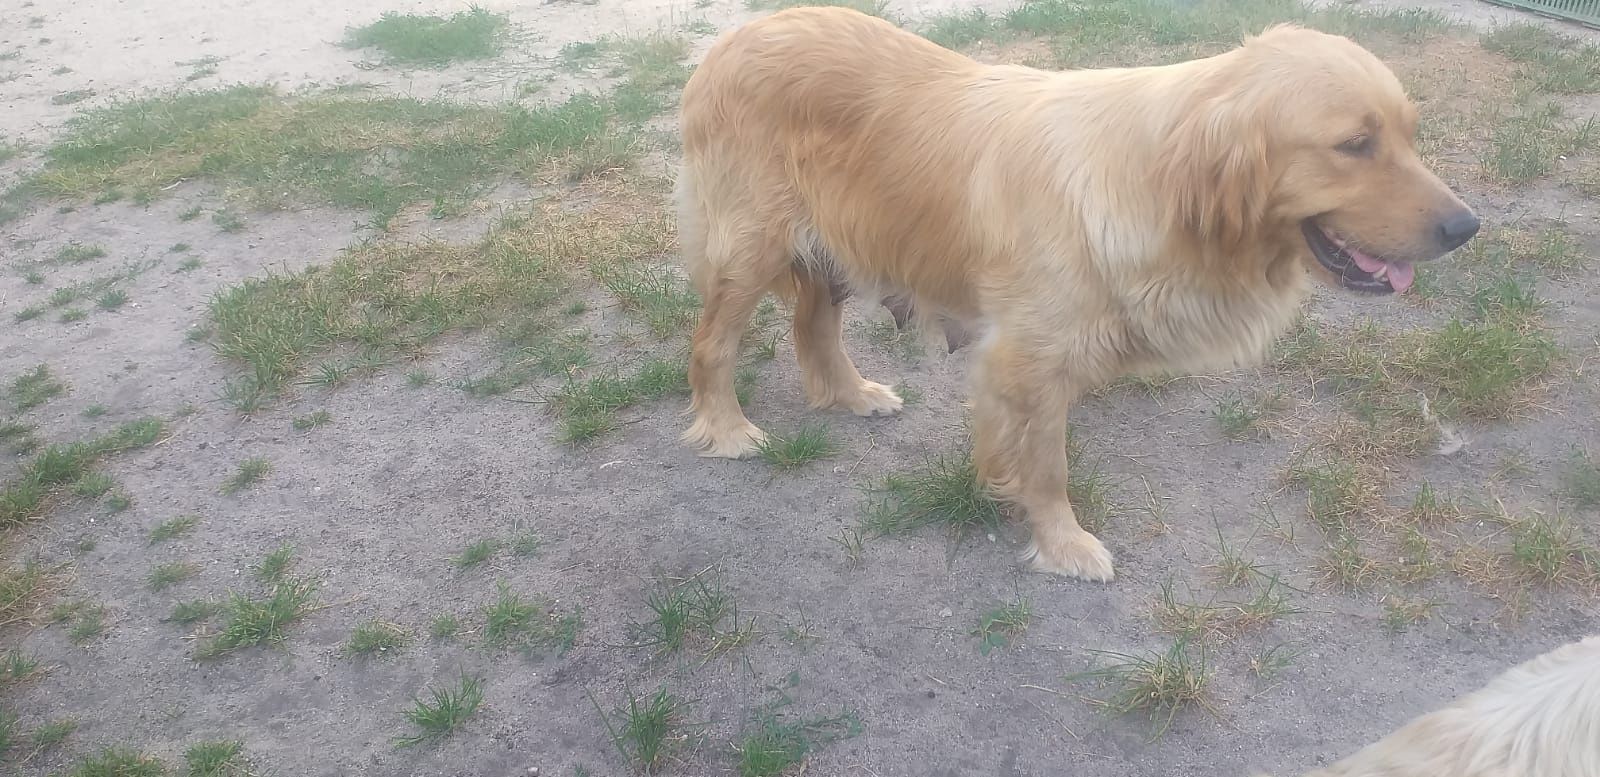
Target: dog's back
[[1539, 719], [821, 139]]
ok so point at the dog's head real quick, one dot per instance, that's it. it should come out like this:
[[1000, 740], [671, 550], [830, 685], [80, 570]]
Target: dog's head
[[1303, 136]]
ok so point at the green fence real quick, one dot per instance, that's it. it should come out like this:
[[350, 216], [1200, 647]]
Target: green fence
[[1584, 11]]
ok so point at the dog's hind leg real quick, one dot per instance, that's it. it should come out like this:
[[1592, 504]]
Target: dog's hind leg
[[830, 378], [1020, 404]]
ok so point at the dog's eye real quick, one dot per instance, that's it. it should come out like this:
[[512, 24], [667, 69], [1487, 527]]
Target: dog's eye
[[1360, 145]]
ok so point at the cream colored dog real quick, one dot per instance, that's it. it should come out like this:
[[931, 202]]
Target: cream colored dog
[[1540, 719], [1085, 224]]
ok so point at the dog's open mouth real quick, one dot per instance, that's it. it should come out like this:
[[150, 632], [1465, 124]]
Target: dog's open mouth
[[1356, 270]]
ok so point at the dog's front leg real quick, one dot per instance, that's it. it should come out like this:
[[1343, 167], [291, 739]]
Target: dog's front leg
[[1020, 403]]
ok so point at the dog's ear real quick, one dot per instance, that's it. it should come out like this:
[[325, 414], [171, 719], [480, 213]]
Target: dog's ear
[[1216, 172]]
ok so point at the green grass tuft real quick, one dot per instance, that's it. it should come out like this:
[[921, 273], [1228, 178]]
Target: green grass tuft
[[944, 491], [998, 627], [376, 637], [166, 575], [253, 622], [119, 762], [34, 388], [173, 528], [250, 472], [444, 712], [434, 40], [1159, 684], [646, 729], [809, 443]]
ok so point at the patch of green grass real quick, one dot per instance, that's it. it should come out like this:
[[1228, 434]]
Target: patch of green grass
[[95, 411], [1200, 622], [34, 388], [808, 443], [173, 528], [194, 611], [852, 543], [352, 150], [376, 637], [1401, 613], [943, 491], [89, 624], [1551, 248], [313, 420], [227, 220], [698, 611], [10, 735], [1160, 684], [73, 315], [588, 407], [275, 565], [1336, 494], [222, 758], [166, 575], [251, 622], [21, 590], [397, 298], [1555, 63], [655, 293], [525, 543], [78, 253], [511, 621], [998, 627], [59, 465], [1345, 566], [119, 762], [117, 502], [434, 40], [93, 485], [1550, 550], [191, 213], [646, 728], [1525, 144], [773, 747], [113, 299], [446, 711], [1580, 481], [476, 553], [52, 735], [444, 627], [418, 378], [29, 313], [16, 666], [250, 472], [1481, 369]]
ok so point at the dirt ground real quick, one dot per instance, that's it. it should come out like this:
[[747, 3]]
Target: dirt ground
[[378, 502]]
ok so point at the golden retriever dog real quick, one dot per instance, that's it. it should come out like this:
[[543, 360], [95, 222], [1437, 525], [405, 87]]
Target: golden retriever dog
[[1084, 225], [1540, 719]]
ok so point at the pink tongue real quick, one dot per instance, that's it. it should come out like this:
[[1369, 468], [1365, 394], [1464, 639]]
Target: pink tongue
[[1400, 274]]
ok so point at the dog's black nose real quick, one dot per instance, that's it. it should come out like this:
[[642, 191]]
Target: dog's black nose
[[1457, 229]]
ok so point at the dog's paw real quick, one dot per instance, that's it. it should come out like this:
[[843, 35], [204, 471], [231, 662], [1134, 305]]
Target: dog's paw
[[735, 441], [874, 399], [1078, 554]]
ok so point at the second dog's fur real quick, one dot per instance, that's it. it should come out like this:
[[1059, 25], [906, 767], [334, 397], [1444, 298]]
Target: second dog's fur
[[1084, 224], [1539, 719]]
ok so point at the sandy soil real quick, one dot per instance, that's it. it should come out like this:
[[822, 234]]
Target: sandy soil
[[377, 502]]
